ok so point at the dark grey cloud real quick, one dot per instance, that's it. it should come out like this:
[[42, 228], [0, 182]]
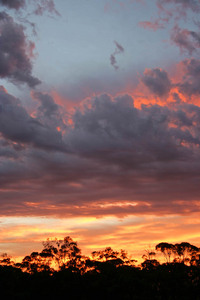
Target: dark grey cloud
[[117, 153], [157, 81], [9, 149], [14, 4], [189, 84], [48, 106], [15, 63], [118, 49], [41, 6], [49, 113], [18, 126], [117, 133], [185, 39]]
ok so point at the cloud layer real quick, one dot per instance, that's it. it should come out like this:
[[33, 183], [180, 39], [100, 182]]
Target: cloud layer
[[112, 158]]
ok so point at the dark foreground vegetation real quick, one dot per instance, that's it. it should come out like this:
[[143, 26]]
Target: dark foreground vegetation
[[59, 271]]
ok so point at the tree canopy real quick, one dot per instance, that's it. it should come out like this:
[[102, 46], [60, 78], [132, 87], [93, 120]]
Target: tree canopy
[[60, 268]]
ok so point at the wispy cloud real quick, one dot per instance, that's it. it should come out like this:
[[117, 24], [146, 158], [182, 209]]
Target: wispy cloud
[[118, 50]]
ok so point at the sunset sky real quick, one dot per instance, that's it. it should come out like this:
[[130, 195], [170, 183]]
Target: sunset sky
[[99, 123]]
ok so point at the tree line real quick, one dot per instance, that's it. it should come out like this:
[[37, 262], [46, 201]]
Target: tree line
[[106, 274], [59, 254]]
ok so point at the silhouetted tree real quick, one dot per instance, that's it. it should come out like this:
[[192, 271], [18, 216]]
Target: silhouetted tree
[[104, 255], [149, 254], [108, 254], [184, 251], [166, 249], [35, 262], [64, 252], [6, 260], [150, 264], [110, 272], [195, 259]]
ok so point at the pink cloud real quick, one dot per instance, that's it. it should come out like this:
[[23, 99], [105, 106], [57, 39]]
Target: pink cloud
[[151, 25]]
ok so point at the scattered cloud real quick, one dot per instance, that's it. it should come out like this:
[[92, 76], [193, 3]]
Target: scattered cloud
[[194, 5], [174, 12], [153, 25], [43, 6], [118, 50]]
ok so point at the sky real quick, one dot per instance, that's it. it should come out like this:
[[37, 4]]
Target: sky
[[99, 123]]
